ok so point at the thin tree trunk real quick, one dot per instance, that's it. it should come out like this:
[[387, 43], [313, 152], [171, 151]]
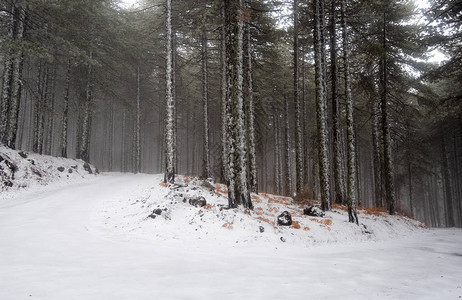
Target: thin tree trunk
[[447, 184], [137, 126], [288, 175], [65, 122], [206, 152], [170, 109], [338, 190], [351, 145], [321, 110], [298, 129], [229, 120], [16, 84], [224, 98], [7, 80], [276, 151], [86, 122], [251, 118], [386, 139]]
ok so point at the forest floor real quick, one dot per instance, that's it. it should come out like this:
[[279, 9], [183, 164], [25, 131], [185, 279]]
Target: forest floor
[[94, 239]]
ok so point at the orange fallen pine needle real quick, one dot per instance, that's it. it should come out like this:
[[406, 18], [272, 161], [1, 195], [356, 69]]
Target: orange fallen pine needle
[[296, 225], [228, 225]]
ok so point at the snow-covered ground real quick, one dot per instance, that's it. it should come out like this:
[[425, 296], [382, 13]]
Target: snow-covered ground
[[93, 239]]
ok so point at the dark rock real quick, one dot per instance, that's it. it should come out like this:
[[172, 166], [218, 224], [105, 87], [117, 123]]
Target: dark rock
[[22, 154], [32, 161], [283, 239], [285, 219], [69, 171], [61, 169], [87, 168], [157, 211], [314, 211], [36, 172], [96, 171], [153, 216], [74, 167], [198, 202], [262, 229]]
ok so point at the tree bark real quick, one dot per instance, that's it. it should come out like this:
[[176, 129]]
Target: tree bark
[[16, 83], [386, 139], [321, 110], [206, 151], [170, 118], [351, 145], [298, 129], [251, 117], [137, 161], [338, 184]]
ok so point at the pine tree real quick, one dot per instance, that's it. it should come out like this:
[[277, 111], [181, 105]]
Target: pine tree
[[170, 117], [321, 107], [351, 146]]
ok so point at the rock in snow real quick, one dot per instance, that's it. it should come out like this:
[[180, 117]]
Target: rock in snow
[[314, 211], [285, 219]]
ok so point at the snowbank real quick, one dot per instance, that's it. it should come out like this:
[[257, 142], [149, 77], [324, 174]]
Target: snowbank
[[20, 169], [164, 212]]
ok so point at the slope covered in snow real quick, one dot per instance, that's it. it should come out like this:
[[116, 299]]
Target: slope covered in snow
[[94, 239], [20, 169], [165, 212]]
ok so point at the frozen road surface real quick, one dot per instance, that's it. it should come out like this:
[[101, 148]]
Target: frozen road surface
[[53, 247]]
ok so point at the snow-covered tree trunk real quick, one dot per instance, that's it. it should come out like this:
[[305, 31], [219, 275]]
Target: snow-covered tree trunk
[[169, 107], [16, 84], [122, 153], [351, 145], [51, 113], [376, 153], [298, 126], [206, 152], [288, 174], [243, 194], [321, 107], [337, 168], [449, 211], [229, 160], [86, 121], [386, 138], [7, 80], [224, 98], [65, 121], [137, 161], [277, 170], [251, 117]]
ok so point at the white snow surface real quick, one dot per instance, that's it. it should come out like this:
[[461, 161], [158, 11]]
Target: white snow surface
[[37, 170], [93, 239]]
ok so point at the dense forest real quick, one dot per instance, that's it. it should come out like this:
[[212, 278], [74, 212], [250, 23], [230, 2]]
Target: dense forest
[[337, 100]]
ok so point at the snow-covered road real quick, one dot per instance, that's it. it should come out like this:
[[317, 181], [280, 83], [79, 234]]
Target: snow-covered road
[[51, 247]]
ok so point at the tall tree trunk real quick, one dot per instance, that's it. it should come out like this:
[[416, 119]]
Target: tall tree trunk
[[351, 145], [65, 121], [7, 79], [137, 161], [321, 109], [86, 121], [386, 139], [51, 113], [170, 117], [447, 184], [339, 194], [277, 170], [206, 151], [251, 117], [229, 119], [16, 83], [298, 129], [288, 174], [243, 193], [376, 153], [224, 97]]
